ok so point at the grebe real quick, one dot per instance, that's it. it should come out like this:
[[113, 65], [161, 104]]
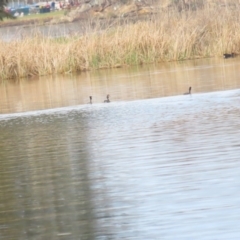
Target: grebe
[[189, 91], [229, 55], [107, 100]]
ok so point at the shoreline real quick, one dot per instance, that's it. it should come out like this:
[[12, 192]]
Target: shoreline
[[32, 19], [26, 23]]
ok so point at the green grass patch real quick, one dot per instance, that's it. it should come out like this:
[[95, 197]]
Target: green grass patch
[[34, 17]]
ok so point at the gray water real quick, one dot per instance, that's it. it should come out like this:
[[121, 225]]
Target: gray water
[[147, 168], [59, 30]]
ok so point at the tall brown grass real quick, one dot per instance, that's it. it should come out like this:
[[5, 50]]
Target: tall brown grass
[[170, 36]]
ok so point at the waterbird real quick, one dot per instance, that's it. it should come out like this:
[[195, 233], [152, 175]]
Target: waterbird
[[229, 55], [107, 100], [90, 97], [189, 91]]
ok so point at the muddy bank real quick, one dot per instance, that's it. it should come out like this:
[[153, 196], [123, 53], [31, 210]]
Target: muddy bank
[[93, 11], [109, 10]]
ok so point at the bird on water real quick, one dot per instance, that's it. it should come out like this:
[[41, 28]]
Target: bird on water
[[107, 100], [90, 97], [189, 91], [229, 55]]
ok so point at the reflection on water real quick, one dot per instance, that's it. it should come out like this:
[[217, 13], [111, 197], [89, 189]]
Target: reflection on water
[[126, 84], [158, 168]]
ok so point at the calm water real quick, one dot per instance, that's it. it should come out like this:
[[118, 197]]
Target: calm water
[[58, 30], [152, 164]]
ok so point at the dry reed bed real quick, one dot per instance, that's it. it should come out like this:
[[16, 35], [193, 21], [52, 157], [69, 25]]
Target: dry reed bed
[[168, 37]]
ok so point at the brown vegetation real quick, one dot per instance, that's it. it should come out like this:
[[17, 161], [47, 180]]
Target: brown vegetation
[[169, 36]]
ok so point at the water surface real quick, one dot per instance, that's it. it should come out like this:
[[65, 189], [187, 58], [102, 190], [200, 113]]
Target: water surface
[[126, 84], [152, 164]]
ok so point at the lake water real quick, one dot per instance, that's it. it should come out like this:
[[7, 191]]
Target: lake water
[[58, 30], [152, 164]]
